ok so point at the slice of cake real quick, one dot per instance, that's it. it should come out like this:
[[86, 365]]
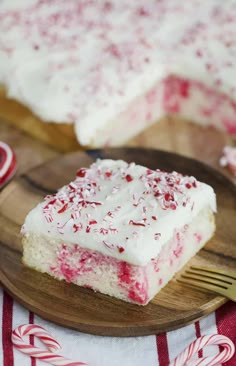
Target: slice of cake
[[121, 229], [113, 68]]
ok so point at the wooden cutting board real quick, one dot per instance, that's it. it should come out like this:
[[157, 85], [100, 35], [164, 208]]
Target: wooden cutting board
[[82, 309]]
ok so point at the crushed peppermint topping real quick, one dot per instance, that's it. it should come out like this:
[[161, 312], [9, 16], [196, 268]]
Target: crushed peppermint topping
[[136, 223], [81, 207], [93, 222], [120, 249], [77, 227], [128, 178], [108, 174], [81, 172]]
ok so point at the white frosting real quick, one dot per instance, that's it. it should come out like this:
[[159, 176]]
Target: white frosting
[[87, 61], [122, 210]]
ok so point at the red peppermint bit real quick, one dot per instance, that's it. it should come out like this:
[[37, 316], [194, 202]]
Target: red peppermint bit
[[52, 201], [173, 206], [92, 222], [108, 174], [94, 184], [131, 222], [154, 218], [188, 185], [49, 218], [168, 197], [77, 227], [72, 188], [194, 184], [128, 178], [81, 173], [103, 231], [110, 214], [63, 209], [84, 203], [149, 171], [49, 203], [88, 228], [113, 230], [120, 249]]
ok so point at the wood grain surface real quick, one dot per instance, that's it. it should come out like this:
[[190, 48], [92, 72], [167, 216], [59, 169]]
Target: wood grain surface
[[82, 309]]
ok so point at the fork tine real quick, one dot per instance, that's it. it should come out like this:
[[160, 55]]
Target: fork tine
[[220, 272], [230, 292], [209, 281], [200, 284], [211, 276]]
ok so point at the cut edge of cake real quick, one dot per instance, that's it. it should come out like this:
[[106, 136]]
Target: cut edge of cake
[[131, 283]]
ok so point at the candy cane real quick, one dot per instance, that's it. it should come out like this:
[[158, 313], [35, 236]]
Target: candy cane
[[7, 163], [184, 358], [47, 356], [229, 158]]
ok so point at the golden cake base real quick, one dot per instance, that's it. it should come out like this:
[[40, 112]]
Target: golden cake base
[[59, 136]]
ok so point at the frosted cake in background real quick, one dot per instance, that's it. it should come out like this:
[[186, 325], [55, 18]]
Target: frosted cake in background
[[120, 229], [113, 68]]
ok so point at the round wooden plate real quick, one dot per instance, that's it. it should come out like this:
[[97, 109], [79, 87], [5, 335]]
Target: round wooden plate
[[71, 306]]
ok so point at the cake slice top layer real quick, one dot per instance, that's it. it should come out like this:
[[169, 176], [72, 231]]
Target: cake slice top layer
[[87, 61], [122, 210]]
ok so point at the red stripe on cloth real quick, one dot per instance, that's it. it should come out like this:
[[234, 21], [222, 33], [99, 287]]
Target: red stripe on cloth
[[7, 312], [31, 321], [162, 349], [198, 335], [226, 325]]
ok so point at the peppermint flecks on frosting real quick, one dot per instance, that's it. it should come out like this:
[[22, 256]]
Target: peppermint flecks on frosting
[[120, 209], [169, 190]]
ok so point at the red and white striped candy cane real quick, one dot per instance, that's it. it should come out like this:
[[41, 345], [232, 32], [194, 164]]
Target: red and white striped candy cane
[[47, 356], [184, 358], [7, 163]]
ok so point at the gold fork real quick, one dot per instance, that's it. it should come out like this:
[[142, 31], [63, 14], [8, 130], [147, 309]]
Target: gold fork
[[220, 281]]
